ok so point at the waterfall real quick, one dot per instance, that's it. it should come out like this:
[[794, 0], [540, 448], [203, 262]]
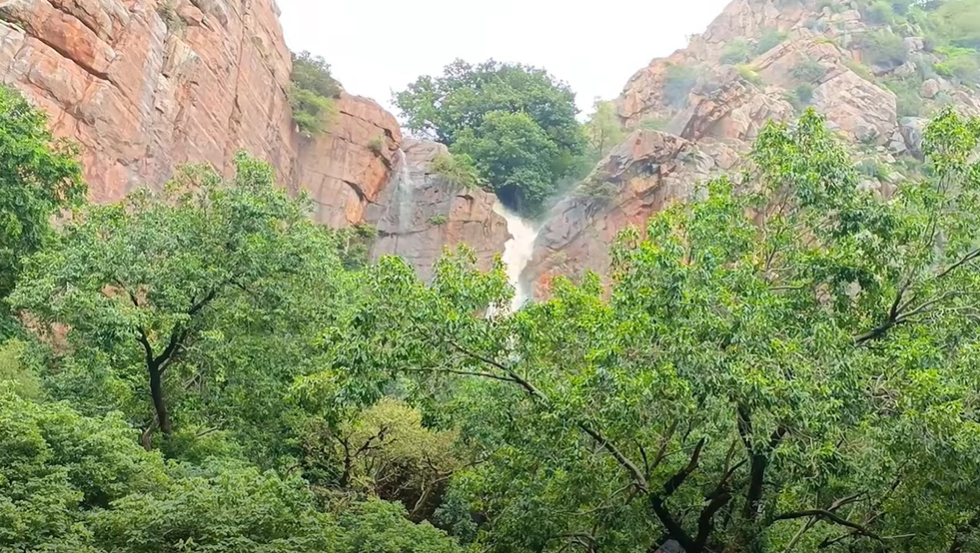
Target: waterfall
[[517, 252], [404, 191]]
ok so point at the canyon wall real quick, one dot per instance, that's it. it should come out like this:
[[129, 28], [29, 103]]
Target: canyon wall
[[146, 85], [695, 114]]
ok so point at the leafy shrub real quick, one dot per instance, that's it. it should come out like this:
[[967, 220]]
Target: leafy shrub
[[438, 220], [596, 192], [862, 70], [959, 21], [354, 245], [458, 170], [312, 93], [908, 101], [804, 93], [959, 63], [883, 48], [749, 73], [680, 81], [808, 70], [737, 51], [376, 145], [769, 40], [878, 13]]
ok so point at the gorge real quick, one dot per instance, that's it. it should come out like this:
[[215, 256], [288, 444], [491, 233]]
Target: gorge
[[732, 310]]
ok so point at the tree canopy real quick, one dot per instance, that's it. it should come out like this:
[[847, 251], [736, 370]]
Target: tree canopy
[[784, 366], [516, 122], [39, 176]]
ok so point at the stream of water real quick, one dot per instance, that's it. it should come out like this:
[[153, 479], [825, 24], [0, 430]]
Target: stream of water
[[518, 252]]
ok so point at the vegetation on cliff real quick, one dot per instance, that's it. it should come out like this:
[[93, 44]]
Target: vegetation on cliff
[[516, 123], [312, 93]]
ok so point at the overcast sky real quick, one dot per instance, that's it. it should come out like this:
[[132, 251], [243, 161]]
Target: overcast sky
[[376, 46]]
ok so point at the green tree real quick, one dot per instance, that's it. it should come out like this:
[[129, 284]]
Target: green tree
[[312, 93], [787, 366], [40, 176], [521, 106], [190, 309], [603, 129]]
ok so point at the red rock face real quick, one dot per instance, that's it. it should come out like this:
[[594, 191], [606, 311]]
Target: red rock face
[[146, 85]]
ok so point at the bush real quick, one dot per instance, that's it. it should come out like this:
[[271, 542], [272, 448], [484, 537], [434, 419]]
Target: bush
[[883, 48], [376, 145], [749, 73], [680, 81], [878, 13], [808, 70], [804, 93], [737, 51], [959, 63], [862, 70], [312, 93], [907, 99], [458, 170], [769, 40], [438, 220], [596, 192]]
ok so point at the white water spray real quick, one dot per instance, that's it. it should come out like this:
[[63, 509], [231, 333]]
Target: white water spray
[[517, 252]]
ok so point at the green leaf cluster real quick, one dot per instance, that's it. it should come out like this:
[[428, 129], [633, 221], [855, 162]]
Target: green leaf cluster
[[312, 93], [516, 123]]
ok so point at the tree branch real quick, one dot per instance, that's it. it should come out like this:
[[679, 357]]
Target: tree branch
[[623, 461], [831, 516]]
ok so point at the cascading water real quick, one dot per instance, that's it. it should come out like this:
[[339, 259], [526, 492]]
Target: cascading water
[[517, 252], [404, 192]]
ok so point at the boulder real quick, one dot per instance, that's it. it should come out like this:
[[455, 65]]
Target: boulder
[[929, 89]]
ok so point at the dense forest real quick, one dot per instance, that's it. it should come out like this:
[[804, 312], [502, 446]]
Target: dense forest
[[788, 363]]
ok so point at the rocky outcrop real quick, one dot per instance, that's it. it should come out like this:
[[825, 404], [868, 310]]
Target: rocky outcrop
[[760, 60], [420, 214], [640, 177], [345, 169], [145, 85]]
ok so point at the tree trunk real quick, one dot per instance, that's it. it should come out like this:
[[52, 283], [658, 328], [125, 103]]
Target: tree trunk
[[159, 404]]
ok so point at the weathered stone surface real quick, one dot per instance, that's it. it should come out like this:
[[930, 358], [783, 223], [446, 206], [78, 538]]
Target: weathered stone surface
[[346, 168], [649, 170], [419, 214], [929, 88]]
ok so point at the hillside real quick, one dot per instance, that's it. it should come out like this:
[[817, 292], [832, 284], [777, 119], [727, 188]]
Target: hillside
[[875, 71]]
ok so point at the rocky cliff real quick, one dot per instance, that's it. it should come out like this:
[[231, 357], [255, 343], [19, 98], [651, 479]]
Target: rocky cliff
[[146, 85], [695, 113]]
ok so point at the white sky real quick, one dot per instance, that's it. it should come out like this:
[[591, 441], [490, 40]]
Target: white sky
[[377, 46]]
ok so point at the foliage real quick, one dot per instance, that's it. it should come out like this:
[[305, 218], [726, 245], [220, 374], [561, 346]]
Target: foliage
[[603, 130], [41, 176], [769, 40], [776, 366], [459, 170], [879, 12], [883, 48], [908, 100], [737, 51], [860, 69], [596, 192], [190, 309], [515, 155], [353, 245], [312, 93], [959, 20], [516, 122], [376, 145], [962, 64], [15, 376], [804, 93], [749, 73], [808, 70], [679, 83], [74, 484]]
